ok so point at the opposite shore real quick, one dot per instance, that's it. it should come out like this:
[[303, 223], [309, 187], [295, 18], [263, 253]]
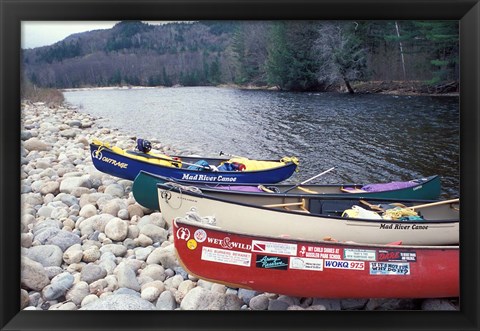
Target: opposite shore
[[86, 244], [407, 88]]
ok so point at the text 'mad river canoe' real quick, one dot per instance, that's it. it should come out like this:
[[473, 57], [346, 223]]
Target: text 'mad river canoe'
[[145, 189], [319, 218], [303, 268], [127, 164]]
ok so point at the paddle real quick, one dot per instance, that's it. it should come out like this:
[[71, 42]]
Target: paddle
[[230, 155], [372, 206], [435, 203], [310, 179], [176, 161]]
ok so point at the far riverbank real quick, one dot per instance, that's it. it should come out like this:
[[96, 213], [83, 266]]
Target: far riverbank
[[407, 88]]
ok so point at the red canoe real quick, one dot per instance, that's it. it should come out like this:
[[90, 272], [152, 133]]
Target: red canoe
[[316, 269]]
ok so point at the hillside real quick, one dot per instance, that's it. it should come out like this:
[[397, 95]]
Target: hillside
[[289, 55], [134, 54]]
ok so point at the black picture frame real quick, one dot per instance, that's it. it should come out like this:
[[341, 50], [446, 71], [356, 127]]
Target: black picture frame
[[13, 12]]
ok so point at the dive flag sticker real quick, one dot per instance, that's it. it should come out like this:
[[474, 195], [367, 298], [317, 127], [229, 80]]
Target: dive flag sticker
[[258, 247], [272, 247]]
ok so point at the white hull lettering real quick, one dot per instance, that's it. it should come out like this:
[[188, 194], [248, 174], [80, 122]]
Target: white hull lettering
[[208, 178], [114, 162]]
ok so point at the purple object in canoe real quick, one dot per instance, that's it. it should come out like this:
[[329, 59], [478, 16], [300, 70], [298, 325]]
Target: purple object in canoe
[[243, 188], [380, 187]]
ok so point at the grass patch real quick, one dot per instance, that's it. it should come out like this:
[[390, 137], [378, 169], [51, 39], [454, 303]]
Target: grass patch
[[52, 97]]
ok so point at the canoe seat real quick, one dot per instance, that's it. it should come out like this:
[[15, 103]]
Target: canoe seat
[[300, 204], [306, 190], [352, 190]]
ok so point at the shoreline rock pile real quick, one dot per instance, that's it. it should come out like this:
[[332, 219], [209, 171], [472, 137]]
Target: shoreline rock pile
[[86, 244]]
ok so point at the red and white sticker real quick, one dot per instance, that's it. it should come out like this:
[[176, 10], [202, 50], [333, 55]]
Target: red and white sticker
[[183, 234], [226, 256], [200, 235]]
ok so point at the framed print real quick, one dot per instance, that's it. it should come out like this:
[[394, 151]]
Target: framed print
[[262, 80]]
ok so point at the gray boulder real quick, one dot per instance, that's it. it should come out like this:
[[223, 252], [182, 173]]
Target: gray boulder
[[46, 255], [33, 275], [119, 302]]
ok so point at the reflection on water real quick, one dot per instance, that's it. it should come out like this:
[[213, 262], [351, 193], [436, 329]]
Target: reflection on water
[[367, 138]]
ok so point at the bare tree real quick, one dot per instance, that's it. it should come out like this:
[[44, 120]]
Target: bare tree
[[341, 55]]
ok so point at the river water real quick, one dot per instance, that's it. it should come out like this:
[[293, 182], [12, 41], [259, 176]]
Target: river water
[[367, 138]]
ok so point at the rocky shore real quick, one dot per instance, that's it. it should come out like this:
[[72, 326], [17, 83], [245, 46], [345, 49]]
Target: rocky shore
[[88, 245]]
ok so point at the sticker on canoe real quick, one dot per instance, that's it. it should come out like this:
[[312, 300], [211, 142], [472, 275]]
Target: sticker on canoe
[[191, 244], [271, 262], [305, 263], [389, 268], [394, 255], [183, 233], [359, 254], [226, 256], [274, 247], [319, 252], [226, 242], [99, 156], [340, 264], [200, 235]]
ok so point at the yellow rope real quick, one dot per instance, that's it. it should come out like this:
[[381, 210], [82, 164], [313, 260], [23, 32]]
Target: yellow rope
[[287, 159], [396, 213]]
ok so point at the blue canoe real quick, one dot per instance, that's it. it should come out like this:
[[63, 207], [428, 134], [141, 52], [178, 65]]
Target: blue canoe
[[128, 164]]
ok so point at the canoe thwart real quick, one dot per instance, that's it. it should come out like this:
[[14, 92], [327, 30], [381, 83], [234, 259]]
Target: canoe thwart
[[352, 190], [290, 204]]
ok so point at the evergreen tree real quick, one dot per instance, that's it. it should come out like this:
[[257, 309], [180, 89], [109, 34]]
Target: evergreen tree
[[166, 79], [116, 79], [214, 73], [292, 63], [249, 44], [279, 56], [444, 47]]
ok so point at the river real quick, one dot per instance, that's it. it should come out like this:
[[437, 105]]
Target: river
[[367, 138]]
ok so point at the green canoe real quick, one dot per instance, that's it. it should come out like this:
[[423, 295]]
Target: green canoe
[[145, 189]]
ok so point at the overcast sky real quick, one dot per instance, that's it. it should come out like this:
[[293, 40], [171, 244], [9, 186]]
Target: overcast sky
[[43, 33]]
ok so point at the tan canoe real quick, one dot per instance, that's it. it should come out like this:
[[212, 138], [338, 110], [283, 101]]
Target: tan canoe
[[436, 229]]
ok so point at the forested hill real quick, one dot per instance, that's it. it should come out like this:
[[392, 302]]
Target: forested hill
[[290, 55]]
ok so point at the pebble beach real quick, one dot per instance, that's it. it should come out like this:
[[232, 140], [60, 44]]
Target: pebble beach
[[86, 244]]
